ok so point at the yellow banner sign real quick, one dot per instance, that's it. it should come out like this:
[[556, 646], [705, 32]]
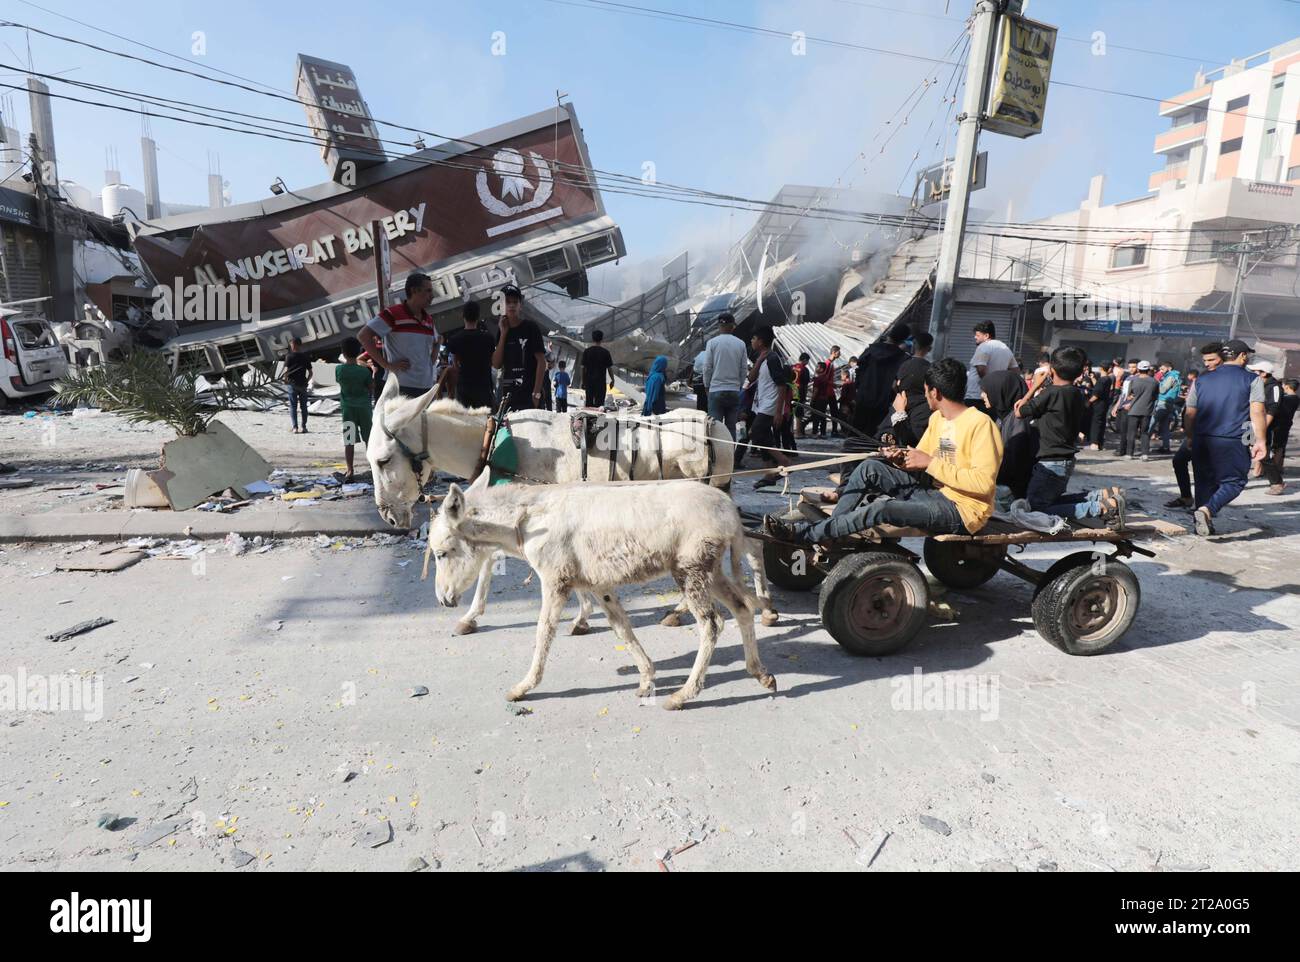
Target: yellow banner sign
[[1018, 97]]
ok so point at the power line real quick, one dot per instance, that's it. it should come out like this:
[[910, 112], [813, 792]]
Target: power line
[[722, 200], [139, 43], [1085, 40], [671, 16]]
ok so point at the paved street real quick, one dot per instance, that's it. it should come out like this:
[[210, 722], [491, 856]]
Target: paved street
[[238, 692]]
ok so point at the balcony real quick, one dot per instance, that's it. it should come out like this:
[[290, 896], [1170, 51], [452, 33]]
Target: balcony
[[1190, 98], [1177, 172], [1179, 137]]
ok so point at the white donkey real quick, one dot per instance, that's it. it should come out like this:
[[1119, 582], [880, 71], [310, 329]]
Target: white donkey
[[414, 437], [596, 537]]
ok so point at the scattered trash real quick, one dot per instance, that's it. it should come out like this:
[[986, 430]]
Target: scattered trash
[[935, 825], [417, 691], [275, 626], [242, 858], [416, 864], [520, 710], [17, 482], [258, 487], [79, 629], [880, 847], [343, 774], [107, 821], [313, 494], [236, 544], [988, 777]]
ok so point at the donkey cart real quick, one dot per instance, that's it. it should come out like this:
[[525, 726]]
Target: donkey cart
[[874, 598]]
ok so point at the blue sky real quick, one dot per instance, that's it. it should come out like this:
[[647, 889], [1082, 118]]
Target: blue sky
[[713, 108]]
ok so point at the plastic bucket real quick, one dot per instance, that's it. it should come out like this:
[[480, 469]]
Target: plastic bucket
[[141, 492]]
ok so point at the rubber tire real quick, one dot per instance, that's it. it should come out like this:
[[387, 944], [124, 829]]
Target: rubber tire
[[943, 560], [835, 603], [1051, 606], [776, 562], [1076, 559]]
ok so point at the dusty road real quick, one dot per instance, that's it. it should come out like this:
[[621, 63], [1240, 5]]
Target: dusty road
[[238, 692]]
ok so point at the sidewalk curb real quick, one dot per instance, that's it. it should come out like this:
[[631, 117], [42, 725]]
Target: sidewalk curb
[[279, 522]]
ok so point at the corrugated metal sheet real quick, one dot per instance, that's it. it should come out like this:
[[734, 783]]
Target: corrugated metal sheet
[[817, 339], [905, 283]]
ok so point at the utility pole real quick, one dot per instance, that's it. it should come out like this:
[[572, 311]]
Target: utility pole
[[1238, 287], [983, 30], [1254, 242]]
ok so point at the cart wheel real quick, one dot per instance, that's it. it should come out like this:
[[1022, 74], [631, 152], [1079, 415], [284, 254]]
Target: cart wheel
[[1085, 608], [790, 566], [963, 564], [874, 603]]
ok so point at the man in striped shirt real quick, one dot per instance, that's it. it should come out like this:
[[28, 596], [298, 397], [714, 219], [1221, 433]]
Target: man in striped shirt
[[410, 340]]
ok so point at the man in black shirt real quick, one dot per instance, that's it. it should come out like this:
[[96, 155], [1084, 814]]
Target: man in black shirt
[[520, 355], [596, 366], [471, 357], [1279, 431], [877, 375], [1055, 409], [1099, 407], [908, 424], [297, 371]]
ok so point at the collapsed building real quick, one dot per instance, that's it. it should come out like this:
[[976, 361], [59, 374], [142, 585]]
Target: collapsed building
[[500, 206]]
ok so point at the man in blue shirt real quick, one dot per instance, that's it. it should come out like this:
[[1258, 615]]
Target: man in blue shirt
[[1225, 413], [1170, 384]]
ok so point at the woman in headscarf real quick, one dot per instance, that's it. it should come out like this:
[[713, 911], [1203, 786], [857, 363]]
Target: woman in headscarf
[[1001, 391], [655, 399]]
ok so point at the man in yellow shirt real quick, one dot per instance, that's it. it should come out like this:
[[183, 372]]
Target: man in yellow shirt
[[945, 487]]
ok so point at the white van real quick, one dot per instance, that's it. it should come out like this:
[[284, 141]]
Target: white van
[[31, 360]]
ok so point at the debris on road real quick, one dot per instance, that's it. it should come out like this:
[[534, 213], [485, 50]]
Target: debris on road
[[935, 824], [80, 628], [373, 836], [242, 858]]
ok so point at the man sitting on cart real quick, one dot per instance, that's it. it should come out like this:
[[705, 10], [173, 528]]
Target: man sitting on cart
[[944, 486]]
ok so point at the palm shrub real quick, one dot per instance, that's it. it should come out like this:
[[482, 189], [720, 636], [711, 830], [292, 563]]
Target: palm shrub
[[143, 388]]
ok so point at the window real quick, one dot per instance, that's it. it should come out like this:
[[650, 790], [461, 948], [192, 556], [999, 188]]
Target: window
[[1239, 104], [1293, 173], [1230, 146], [1128, 255]]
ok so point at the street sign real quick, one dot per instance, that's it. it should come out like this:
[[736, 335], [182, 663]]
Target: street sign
[[1023, 68], [934, 184], [383, 262]]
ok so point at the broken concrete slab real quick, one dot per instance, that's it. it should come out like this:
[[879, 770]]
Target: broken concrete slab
[[159, 831], [242, 858], [208, 463], [373, 836], [110, 559]]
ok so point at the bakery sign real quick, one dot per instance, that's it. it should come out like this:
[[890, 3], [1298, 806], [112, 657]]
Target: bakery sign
[[436, 206]]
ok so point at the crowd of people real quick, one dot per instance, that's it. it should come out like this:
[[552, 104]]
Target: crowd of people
[[1020, 441]]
